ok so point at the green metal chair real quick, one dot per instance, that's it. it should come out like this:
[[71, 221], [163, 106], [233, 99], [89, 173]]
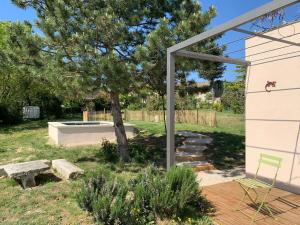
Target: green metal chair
[[258, 186]]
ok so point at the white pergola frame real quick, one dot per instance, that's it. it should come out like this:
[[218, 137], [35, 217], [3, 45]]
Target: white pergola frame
[[177, 50]]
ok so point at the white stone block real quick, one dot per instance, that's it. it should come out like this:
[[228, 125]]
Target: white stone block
[[66, 169]]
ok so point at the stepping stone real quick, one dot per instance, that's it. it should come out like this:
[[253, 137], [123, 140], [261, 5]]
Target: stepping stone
[[189, 134], [191, 148], [197, 141], [197, 165], [187, 156], [26, 171], [66, 169]]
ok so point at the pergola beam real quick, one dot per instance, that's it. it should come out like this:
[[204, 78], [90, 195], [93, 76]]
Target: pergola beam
[[214, 58], [247, 17], [266, 37]]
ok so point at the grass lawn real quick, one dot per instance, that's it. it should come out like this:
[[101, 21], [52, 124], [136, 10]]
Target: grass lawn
[[54, 202]]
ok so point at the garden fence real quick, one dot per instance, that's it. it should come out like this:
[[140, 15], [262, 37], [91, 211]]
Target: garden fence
[[208, 118]]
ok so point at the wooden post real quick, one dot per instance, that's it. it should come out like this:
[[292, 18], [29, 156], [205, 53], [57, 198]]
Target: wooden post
[[212, 119], [197, 116], [215, 119], [158, 115], [91, 116], [85, 116]]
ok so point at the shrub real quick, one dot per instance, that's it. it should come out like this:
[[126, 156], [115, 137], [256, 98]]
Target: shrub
[[168, 195], [218, 107], [110, 201], [178, 192], [110, 205], [234, 97], [139, 153], [205, 105], [10, 114], [151, 195], [50, 105], [109, 151], [91, 188]]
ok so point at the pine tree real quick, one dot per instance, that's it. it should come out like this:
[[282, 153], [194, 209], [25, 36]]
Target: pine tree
[[185, 20], [98, 38]]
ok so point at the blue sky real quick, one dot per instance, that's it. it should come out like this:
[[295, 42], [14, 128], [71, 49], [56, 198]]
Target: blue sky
[[226, 9]]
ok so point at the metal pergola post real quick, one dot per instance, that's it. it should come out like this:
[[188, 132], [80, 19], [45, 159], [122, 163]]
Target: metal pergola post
[[176, 50], [170, 109]]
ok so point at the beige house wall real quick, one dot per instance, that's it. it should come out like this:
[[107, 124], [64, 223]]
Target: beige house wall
[[273, 118]]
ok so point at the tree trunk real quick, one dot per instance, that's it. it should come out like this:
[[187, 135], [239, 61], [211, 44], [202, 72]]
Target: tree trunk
[[212, 90], [164, 112], [119, 126]]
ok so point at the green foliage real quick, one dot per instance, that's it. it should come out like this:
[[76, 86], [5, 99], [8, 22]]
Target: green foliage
[[241, 73], [155, 102], [135, 100], [104, 195], [217, 106], [11, 182], [176, 193], [109, 200], [109, 151], [186, 102], [139, 153], [205, 105], [91, 189], [151, 195], [234, 96], [10, 114], [185, 20], [28, 76], [97, 40]]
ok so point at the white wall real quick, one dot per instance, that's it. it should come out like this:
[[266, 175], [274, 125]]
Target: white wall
[[273, 118]]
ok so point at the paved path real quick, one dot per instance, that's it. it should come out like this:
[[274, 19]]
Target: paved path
[[210, 177]]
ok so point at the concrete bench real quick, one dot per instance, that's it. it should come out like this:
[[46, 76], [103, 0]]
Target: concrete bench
[[66, 169], [26, 171]]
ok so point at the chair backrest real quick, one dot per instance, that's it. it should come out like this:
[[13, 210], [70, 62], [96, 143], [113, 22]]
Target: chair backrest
[[271, 161]]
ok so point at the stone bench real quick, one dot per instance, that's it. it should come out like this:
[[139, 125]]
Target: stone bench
[[66, 169], [26, 171]]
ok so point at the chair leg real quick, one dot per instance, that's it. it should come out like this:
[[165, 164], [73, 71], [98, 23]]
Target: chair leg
[[261, 205], [246, 193], [237, 207]]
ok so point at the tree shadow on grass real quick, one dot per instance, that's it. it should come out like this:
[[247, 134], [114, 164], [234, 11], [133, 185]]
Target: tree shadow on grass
[[27, 125], [35, 124], [144, 150], [87, 159], [148, 149], [227, 150]]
